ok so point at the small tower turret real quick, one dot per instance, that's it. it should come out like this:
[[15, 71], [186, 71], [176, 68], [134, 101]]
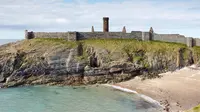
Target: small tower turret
[[26, 34], [151, 33], [124, 30], [92, 29]]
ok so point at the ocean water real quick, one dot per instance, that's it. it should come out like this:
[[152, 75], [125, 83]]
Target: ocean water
[[71, 99], [5, 41]]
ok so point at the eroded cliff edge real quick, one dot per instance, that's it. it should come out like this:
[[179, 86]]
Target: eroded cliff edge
[[59, 62]]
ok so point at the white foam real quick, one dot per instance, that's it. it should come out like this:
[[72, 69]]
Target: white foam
[[146, 98], [149, 99], [122, 89]]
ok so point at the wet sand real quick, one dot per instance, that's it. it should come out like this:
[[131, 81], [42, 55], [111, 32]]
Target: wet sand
[[176, 91]]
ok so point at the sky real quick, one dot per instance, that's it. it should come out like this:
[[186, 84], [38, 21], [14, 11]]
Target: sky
[[165, 16]]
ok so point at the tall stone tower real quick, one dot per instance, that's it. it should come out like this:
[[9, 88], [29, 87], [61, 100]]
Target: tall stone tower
[[106, 24]]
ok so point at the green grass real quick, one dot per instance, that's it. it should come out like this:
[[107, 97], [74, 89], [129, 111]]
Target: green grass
[[131, 45], [56, 41], [195, 109], [196, 53], [196, 49], [128, 45], [45, 44]]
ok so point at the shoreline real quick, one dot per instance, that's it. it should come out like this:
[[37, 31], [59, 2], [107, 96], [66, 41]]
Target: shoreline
[[176, 91], [146, 98], [164, 107]]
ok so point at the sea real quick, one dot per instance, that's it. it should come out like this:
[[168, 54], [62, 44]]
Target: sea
[[5, 41], [71, 99]]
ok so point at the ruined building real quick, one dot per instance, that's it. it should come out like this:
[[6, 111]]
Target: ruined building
[[139, 35]]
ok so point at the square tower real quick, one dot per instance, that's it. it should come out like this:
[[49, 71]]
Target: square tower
[[106, 24]]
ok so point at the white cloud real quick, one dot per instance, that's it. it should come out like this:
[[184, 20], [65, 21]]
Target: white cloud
[[62, 20], [57, 15]]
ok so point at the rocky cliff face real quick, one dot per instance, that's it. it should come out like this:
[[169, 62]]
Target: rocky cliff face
[[56, 61]]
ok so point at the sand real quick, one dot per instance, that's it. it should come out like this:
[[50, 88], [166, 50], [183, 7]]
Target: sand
[[177, 91]]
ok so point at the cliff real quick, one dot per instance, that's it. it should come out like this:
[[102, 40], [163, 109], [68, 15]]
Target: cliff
[[59, 62]]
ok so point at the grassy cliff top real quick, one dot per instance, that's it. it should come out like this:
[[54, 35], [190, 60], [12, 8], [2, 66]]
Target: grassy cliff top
[[37, 46], [134, 45], [113, 45]]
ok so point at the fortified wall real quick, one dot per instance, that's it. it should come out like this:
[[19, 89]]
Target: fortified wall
[[139, 35]]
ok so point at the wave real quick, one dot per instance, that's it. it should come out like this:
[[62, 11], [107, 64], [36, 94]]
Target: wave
[[146, 98]]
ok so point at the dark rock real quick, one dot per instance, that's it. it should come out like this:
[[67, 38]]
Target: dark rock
[[93, 60]]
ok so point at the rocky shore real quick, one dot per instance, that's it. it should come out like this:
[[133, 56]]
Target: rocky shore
[[97, 61]]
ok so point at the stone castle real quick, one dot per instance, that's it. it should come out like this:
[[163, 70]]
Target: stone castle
[[139, 35]]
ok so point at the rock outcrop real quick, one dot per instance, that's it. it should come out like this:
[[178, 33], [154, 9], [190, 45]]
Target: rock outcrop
[[58, 62]]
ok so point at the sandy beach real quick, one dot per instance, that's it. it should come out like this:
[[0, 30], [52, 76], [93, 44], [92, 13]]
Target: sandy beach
[[176, 91]]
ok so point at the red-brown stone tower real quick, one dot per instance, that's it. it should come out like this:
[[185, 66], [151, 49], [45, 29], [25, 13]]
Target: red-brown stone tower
[[105, 24]]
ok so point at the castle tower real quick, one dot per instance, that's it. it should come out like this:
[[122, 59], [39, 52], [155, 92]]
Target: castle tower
[[92, 29], [151, 33], [105, 24], [124, 30]]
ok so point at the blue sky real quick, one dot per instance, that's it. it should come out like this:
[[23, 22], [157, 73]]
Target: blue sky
[[172, 16]]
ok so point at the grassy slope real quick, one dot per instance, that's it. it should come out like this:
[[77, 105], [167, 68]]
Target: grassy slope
[[195, 109], [134, 45], [45, 44], [113, 45], [110, 44], [124, 46], [37, 47]]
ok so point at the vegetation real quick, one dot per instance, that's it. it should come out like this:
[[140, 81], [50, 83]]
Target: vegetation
[[132, 48], [46, 43], [134, 45], [195, 109], [127, 45], [136, 49], [38, 46], [196, 51]]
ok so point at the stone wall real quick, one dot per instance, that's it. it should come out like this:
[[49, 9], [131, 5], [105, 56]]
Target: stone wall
[[97, 35], [189, 42], [145, 36], [51, 35], [139, 35], [70, 36], [170, 38], [73, 36], [196, 41]]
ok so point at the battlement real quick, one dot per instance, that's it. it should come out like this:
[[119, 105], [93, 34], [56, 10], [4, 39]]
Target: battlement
[[139, 35]]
